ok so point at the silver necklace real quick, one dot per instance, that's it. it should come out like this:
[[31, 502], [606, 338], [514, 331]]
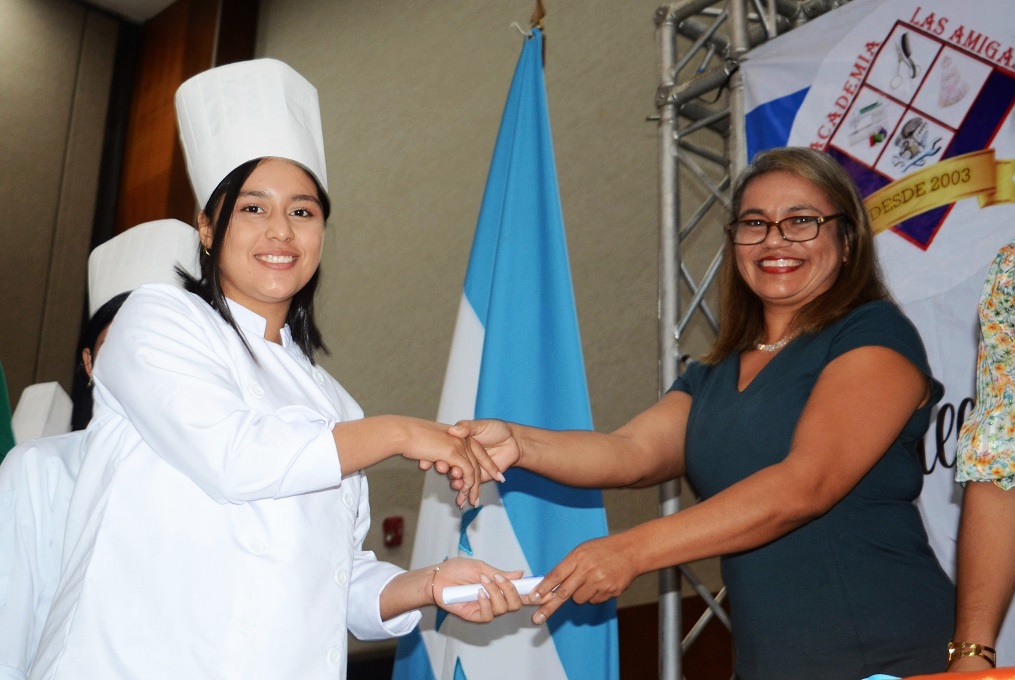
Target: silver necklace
[[775, 346]]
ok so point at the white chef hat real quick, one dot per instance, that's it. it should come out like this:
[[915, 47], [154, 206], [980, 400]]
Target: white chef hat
[[147, 253], [250, 109]]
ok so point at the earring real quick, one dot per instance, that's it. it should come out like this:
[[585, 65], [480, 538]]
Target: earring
[[91, 383], [207, 252]]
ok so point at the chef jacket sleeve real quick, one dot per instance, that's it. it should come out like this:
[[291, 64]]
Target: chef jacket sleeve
[[176, 374], [369, 578]]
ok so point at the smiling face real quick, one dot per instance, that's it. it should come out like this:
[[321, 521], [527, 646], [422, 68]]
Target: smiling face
[[273, 244], [786, 275]]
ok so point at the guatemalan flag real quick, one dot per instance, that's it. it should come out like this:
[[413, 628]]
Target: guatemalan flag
[[516, 355]]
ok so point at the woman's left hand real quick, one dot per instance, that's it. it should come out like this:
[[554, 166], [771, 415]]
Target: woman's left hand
[[594, 572], [497, 597]]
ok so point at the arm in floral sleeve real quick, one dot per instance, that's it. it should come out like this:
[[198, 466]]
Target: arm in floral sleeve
[[986, 459]]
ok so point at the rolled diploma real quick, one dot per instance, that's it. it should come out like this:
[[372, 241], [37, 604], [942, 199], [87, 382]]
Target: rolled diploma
[[470, 592]]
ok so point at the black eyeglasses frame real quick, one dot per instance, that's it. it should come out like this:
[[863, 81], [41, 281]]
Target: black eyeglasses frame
[[818, 221]]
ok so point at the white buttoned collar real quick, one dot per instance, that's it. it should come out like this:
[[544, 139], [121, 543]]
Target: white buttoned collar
[[254, 323]]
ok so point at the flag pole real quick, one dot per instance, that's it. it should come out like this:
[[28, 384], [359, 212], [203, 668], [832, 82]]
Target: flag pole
[[536, 21], [538, 12]]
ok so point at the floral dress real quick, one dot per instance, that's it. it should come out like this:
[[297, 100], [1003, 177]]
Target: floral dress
[[986, 449]]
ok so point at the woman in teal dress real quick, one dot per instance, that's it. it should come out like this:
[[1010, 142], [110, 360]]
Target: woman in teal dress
[[798, 431]]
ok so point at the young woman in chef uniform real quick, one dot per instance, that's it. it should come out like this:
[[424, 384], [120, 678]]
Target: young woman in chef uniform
[[218, 523]]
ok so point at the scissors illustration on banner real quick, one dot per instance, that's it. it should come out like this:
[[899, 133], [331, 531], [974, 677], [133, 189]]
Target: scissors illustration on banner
[[907, 66]]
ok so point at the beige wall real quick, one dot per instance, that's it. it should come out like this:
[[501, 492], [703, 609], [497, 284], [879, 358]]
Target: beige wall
[[55, 66], [411, 96]]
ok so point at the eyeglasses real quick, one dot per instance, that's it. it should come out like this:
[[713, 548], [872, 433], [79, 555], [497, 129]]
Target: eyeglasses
[[795, 228]]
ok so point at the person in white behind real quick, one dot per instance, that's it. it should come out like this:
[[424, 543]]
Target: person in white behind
[[36, 481], [37, 478]]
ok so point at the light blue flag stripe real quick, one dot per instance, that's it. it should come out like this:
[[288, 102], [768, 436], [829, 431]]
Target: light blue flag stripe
[[411, 659], [463, 536], [519, 285]]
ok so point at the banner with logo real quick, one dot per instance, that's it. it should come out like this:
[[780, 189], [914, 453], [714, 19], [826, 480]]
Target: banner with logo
[[914, 98]]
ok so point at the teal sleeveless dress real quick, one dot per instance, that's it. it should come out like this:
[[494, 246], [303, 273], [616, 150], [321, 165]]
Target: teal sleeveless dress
[[858, 590]]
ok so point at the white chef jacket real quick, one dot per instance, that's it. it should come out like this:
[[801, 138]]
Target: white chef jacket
[[36, 479], [211, 533]]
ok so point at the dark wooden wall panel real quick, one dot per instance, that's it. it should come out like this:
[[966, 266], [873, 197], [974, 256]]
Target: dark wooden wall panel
[[186, 38], [175, 44], [88, 174], [238, 42]]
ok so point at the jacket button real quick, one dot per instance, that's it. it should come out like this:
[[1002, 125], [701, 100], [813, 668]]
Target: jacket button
[[257, 547], [319, 377], [335, 657], [256, 391], [348, 500], [247, 623], [341, 577]]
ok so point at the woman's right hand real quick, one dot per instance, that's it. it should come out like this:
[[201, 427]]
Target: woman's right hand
[[498, 595], [496, 437], [420, 587]]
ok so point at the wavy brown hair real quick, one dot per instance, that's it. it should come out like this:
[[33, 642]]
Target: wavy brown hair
[[741, 311]]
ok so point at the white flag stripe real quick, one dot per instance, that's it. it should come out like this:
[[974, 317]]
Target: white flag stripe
[[511, 646], [461, 381], [522, 647]]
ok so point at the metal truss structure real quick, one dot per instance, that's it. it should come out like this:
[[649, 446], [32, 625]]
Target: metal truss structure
[[702, 147]]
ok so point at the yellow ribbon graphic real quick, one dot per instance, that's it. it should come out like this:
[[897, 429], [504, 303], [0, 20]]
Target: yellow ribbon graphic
[[973, 174]]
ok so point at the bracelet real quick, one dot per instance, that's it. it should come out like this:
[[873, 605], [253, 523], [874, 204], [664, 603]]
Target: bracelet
[[433, 580], [960, 649]]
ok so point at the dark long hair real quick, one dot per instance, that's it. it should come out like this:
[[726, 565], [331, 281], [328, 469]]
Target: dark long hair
[[219, 210], [741, 312], [81, 391]]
